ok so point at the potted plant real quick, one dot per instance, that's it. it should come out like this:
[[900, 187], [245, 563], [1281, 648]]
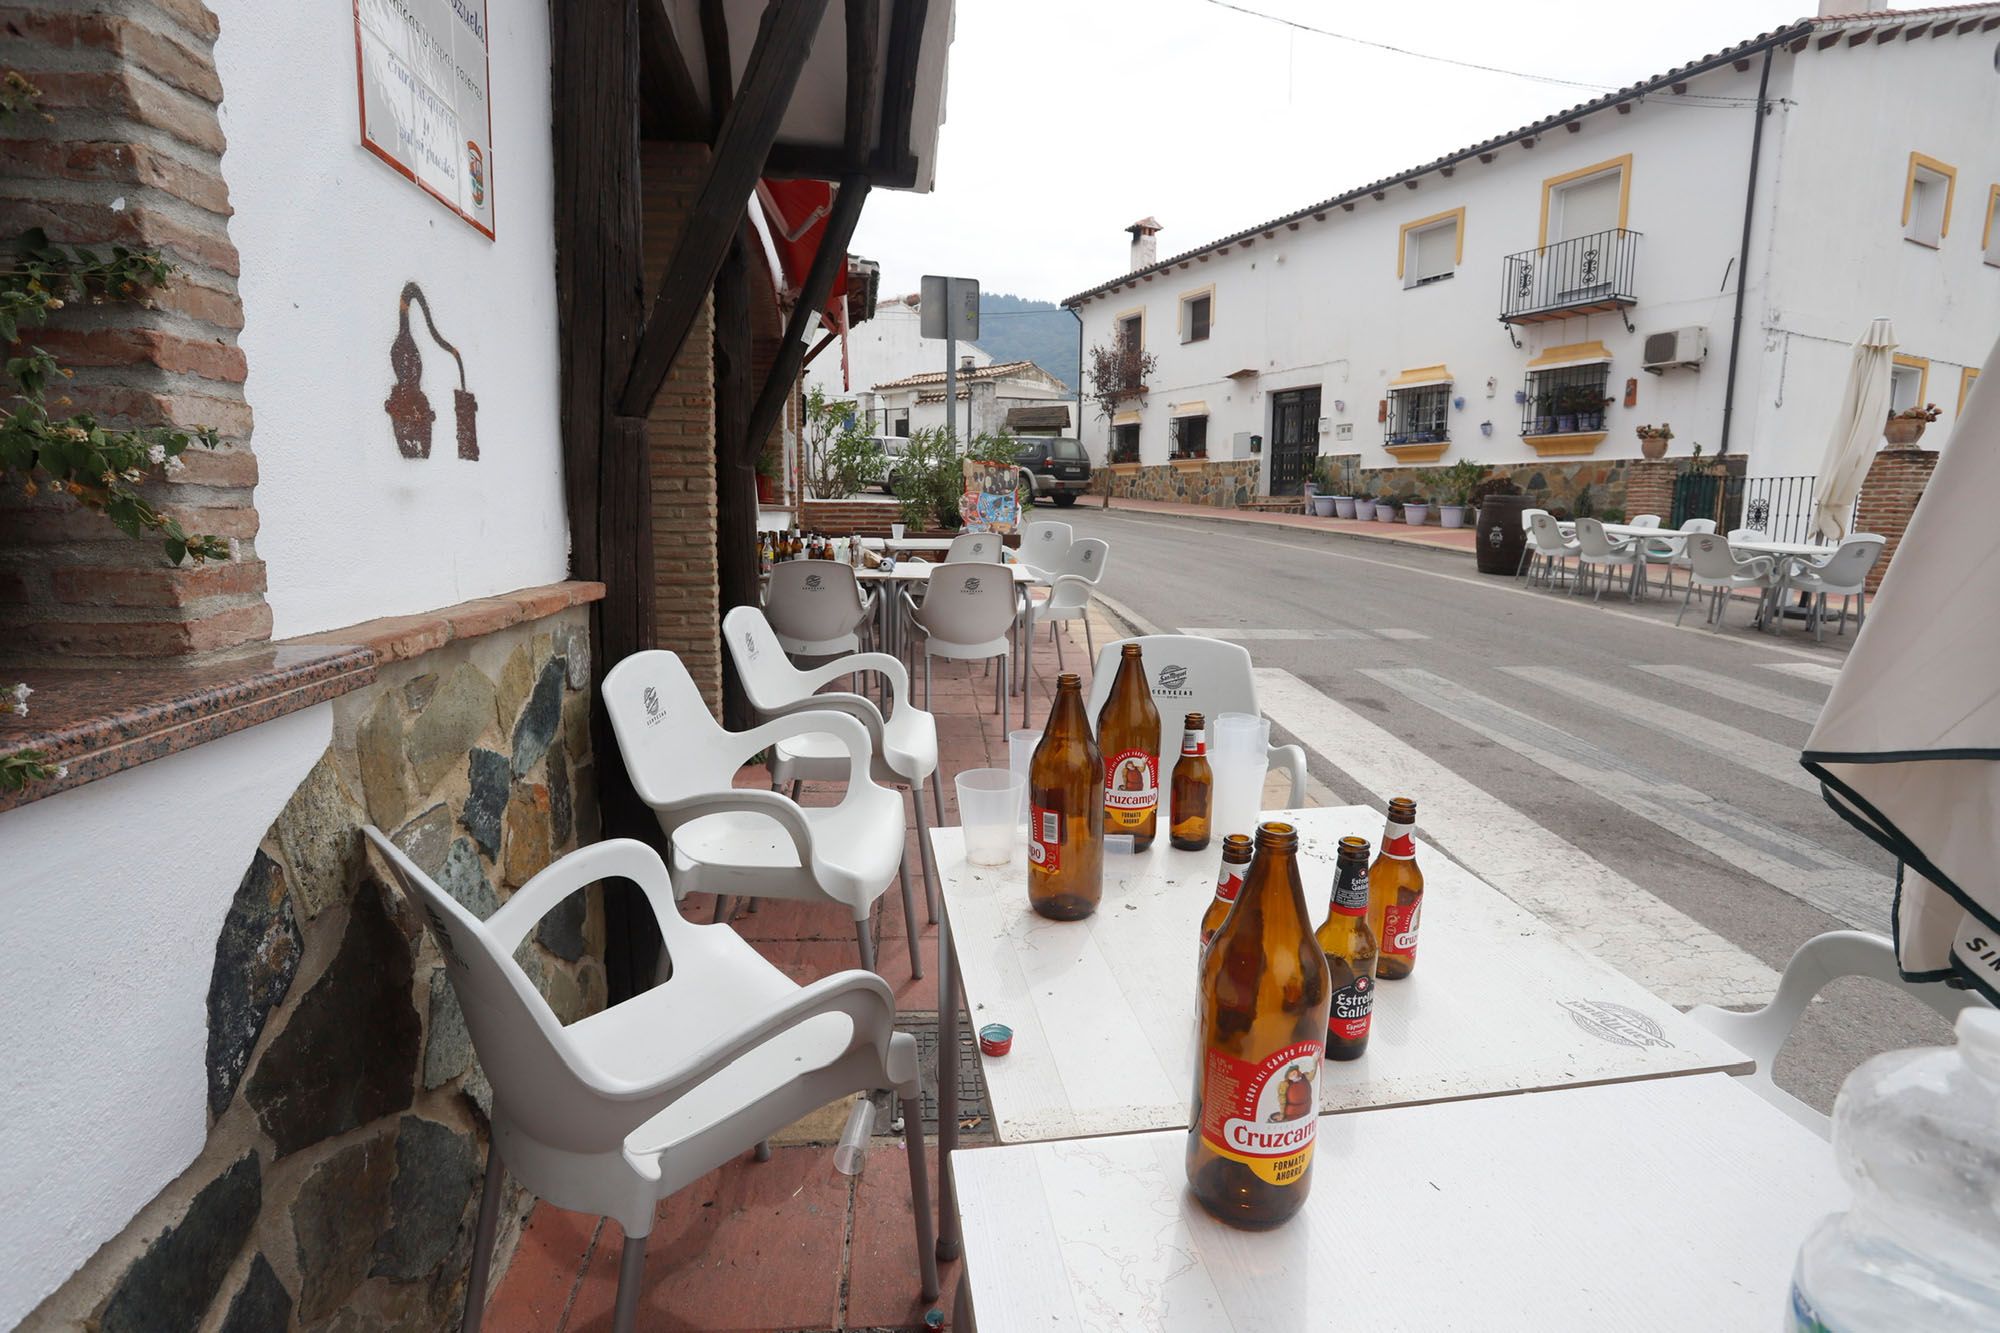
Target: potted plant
[[1590, 405], [1385, 510], [1416, 511], [1568, 400], [1653, 440], [768, 464], [1364, 507], [1325, 489], [1907, 426], [1343, 506], [1457, 482]]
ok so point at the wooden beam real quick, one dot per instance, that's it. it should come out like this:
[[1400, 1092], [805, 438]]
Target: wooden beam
[[813, 293], [736, 454], [788, 161], [664, 72], [825, 341], [899, 94], [755, 114], [864, 82], [715, 59]]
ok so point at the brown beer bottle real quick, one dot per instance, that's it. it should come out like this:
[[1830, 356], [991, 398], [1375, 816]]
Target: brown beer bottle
[[1193, 789], [1261, 1015], [1350, 951], [1066, 811], [1128, 734], [1396, 892], [1228, 882]]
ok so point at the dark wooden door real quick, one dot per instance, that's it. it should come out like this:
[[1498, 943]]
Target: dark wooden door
[[1294, 439]]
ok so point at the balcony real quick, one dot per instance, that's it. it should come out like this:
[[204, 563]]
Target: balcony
[[1585, 275]]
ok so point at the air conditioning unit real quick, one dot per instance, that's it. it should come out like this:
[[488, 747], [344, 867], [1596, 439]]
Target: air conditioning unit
[[1680, 349]]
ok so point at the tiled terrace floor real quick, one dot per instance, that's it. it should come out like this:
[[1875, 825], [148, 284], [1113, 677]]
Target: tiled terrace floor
[[790, 1244]]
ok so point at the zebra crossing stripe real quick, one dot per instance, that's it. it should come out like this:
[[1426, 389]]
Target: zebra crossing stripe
[[1817, 672], [1596, 909], [1737, 691], [1244, 635]]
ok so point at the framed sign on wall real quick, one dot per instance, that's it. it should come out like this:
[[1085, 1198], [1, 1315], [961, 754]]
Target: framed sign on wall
[[421, 70]]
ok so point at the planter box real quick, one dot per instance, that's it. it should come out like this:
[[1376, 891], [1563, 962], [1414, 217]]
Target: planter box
[[1385, 513], [1323, 506], [1364, 509], [1416, 515], [1343, 506], [1451, 516]]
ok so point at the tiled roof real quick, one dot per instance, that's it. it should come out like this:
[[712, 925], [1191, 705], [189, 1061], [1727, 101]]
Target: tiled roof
[[1888, 21], [999, 370]]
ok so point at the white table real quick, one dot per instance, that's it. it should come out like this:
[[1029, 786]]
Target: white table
[[908, 572], [1671, 1204], [907, 543], [1103, 1010]]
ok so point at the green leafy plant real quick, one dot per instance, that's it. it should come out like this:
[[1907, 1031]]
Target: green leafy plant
[[1498, 484], [1456, 482], [1328, 477], [840, 459], [929, 479], [21, 767]]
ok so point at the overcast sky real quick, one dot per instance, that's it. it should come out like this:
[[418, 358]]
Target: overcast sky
[[1066, 120]]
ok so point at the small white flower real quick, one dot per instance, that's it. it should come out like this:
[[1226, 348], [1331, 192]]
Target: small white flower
[[157, 454], [21, 693], [62, 771], [175, 467]]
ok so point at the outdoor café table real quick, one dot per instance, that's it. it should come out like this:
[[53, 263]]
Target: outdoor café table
[[1781, 554], [908, 572], [1103, 1009], [1667, 1204], [924, 545]]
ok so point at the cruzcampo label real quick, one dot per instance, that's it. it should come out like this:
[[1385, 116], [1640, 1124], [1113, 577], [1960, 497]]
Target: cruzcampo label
[[1263, 1114]]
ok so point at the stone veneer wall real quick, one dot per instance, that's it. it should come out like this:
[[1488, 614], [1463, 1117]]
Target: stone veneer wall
[[1223, 482], [1633, 485], [339, 1185]]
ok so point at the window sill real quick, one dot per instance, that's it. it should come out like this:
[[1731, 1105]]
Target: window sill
[[1575, 444], [1189, 462], [1122, 469], [1936, 243], [1428, 452]]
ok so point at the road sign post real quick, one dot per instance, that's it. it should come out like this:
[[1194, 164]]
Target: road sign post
[[949, 309]]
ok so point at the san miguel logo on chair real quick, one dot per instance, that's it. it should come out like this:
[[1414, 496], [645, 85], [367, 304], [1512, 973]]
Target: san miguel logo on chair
[[812, 583], [1172, 681], [651, 698], [972, 584]]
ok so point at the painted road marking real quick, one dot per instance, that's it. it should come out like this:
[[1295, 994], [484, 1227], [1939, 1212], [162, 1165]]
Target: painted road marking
[[1401, 634], [1245, 635], [1765, 758], [1737, 691], [1812, 671], [1845, 889], [1597, 909]]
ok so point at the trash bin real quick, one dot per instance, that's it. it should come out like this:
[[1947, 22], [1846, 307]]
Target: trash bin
[[1501, 537]]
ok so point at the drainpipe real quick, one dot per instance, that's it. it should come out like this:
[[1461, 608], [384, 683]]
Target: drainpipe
[[1077, 315], [1743, 254]]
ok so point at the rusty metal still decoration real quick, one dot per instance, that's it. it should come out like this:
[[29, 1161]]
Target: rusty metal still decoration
[[408, 407]]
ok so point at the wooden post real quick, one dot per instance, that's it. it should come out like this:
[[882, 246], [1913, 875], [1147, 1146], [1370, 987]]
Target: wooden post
[[736, 458]]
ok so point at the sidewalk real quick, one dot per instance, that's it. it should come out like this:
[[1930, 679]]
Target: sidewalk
[[1401, 534], [790, 1244]]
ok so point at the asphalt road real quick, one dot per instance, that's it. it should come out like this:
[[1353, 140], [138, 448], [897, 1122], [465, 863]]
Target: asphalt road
[[1648, 774]]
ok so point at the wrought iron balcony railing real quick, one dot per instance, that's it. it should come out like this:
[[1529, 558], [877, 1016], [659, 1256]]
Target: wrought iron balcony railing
[[1580, 276]]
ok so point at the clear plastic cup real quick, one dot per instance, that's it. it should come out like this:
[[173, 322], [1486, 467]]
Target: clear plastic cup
[[895, 532], [1020, 754], [987, 801], [850, 1154]]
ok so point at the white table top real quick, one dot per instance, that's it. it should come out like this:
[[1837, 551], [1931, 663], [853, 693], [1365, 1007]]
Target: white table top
[[908, 543], [917, 571], [1784, 548], [1669, 1204], [1103, 1009]]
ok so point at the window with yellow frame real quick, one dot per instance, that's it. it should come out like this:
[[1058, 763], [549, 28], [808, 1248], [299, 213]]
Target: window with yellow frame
[[1966, 378], [1989, 237], [1429, 250], [1928, 187]]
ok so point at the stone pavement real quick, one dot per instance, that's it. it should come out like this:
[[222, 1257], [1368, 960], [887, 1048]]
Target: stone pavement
[[790, 1243]]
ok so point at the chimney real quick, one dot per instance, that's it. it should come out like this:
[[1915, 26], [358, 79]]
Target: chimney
[[965, 363], [1145, 250], [1844, 8]]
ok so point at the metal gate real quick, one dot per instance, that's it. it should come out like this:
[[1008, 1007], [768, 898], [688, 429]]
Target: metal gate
[[1705, 495], [1294, 439]]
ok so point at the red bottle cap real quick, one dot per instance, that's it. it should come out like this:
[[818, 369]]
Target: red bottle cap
[[996, 1039]]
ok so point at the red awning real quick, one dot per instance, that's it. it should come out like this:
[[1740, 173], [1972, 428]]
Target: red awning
[[795, 213]]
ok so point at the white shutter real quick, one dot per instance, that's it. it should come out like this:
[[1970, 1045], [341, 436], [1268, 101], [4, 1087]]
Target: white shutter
[[1587, 207], [1437, 250]]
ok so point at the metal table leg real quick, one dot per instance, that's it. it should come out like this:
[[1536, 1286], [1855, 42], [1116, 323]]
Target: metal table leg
[[949, 1244]]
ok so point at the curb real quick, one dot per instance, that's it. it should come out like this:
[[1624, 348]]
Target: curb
[[1226, 516]]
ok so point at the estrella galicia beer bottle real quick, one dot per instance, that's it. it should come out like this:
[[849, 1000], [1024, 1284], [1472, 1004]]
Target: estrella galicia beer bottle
[[1066, 811], [1350, 951], [1192, 791], [1396, 892], [1228, 883], [1128, 734], [1262, 1022]]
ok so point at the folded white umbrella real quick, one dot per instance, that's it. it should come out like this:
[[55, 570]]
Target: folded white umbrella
[[1908, 746], [1857, 431]]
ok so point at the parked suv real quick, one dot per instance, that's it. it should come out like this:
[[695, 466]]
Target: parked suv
[[892, 447], [1057, 469]]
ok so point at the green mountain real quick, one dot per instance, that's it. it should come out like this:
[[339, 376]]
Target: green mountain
[[1014, 328]]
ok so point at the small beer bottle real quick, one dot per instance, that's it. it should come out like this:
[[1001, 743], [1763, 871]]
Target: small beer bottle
[[1261, 1020], [1396, 892], [1228, 880], [1128, 736], [1350, 951], [1193, 789], [1066, 811]]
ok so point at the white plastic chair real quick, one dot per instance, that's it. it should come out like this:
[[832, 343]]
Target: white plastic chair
[[1045, 544], [968, 614], [980, 548], [1596, 550], [1546, 543], [1713, 566], [1844, 574], [1671, 550], [1071, 589], [1645, 520], [1206, 676], [816, 607], [1748, 535], [733, 841], [903, 746], [616, 1111], [1761, 1033]]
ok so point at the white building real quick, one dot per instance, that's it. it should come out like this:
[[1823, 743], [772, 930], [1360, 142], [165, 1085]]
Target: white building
[[1009, 395], [888, 346], [1439, 314]]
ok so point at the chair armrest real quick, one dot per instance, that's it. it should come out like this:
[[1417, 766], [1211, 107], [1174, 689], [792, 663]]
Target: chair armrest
[[851, 733], [615, 858], [882, 664], [859, 707], [1061, 580], [1292, 759]]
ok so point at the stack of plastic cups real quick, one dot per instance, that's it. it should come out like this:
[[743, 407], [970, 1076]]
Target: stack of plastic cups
[[1020, 753], [1238, 754]]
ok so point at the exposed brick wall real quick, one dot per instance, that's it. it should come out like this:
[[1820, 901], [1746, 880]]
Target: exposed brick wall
[[1889, 495], [1649, 487], [131, 154], [681, 431], [846, 518]]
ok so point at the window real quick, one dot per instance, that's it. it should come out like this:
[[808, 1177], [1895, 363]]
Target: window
[[1418, 414], [1909, 381], [1189, 437], [1965, 379], [1565, 400], [1989, 238], [1927, 192], [1196, 311], [1431, 248], [1132, 332], [900, 426], [1068, 451], [1586, 201], [1125, 443]]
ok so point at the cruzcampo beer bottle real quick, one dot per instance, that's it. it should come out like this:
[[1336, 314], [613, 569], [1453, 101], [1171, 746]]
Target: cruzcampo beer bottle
[[1128, 734], [1350, 951], [1066, 811], [1192, 790], [1396, 892], [1261, 1017], [1228, 880]]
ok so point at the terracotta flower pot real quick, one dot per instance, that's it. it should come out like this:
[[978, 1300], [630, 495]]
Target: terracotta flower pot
[[1653, 446], [1904, 430]]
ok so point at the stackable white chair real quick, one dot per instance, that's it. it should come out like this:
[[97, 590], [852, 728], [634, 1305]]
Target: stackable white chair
[[1670, 551], [974, 547], [1044, 544], [1206, 676], [1761, 1033], [1598, 551], [616, 1111], [1645, 520], [903, 746], [816, 607], [1070, 590], [969, 613], [1844, 574], [1748, 535], [1546, 544], [1713, 567], [740, 842]]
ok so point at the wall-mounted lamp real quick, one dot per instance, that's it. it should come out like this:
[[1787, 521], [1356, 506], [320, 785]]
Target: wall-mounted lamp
[[409, 409], [1485, 428], [1459, 403], [1340, 404], [1492, 386]]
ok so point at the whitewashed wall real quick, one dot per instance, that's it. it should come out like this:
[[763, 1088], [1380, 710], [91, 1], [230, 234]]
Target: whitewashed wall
[[888, 347], [103, 1006], [328, 235]]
